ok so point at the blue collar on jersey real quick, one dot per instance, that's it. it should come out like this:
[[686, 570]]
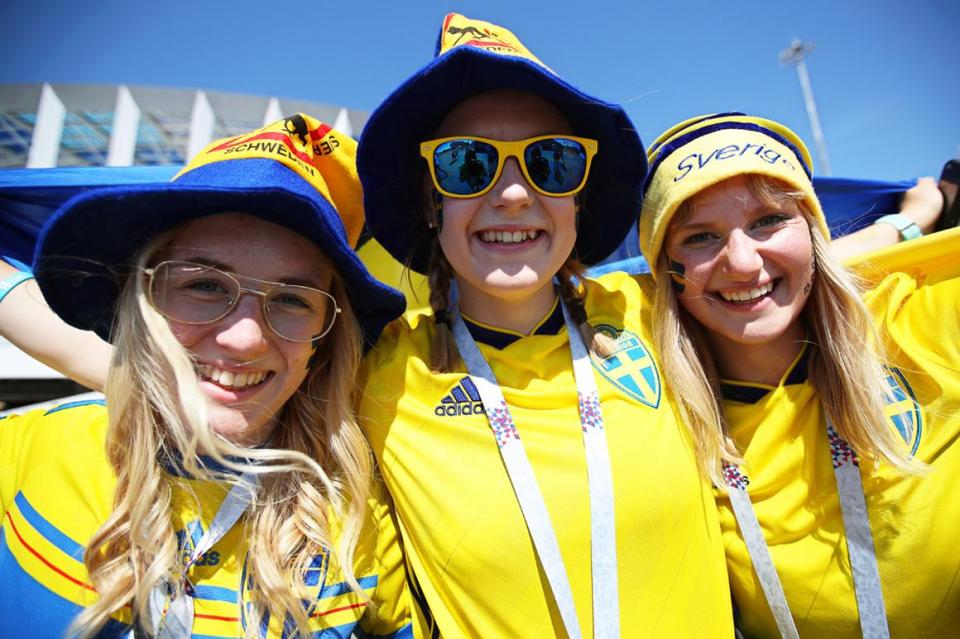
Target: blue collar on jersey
[[500, 339], [173, 465], [745, 394]]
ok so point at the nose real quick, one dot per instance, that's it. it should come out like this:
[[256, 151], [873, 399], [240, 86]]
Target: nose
[[741, 258], [511, 192], [244, 329]]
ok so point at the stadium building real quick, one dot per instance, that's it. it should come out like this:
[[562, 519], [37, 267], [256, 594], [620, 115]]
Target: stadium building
[[67, 125]]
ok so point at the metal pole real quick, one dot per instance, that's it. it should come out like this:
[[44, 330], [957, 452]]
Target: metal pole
[[795, 55]]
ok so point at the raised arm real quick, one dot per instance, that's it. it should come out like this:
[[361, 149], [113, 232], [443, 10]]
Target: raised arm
[[29, 324], [921, 205]]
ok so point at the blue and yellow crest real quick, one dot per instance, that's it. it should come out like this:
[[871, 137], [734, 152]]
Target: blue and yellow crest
[[903, 409], [630, 367]]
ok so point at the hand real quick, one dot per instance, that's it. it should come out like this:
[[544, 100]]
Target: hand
[[923, 203]]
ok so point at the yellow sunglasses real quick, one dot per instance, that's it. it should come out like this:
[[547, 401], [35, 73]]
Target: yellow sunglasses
[[467, 166]]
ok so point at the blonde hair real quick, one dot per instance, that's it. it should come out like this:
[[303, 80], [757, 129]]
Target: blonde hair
[[317, 469], [846, 360]]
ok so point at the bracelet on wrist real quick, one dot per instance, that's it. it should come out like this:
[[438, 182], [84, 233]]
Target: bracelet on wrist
[[907, 228]]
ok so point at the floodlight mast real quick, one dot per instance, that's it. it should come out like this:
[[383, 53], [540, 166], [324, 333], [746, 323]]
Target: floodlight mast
[[794, 55]]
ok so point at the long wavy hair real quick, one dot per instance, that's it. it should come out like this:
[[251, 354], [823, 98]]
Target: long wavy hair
[[846, 364], [314, 476]]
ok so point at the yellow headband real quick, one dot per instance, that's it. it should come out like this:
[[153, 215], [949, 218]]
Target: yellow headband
[[701, 152]]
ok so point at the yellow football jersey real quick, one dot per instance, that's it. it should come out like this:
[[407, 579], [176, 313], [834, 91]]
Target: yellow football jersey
[[56, 490], [913, 519], [463, 531]]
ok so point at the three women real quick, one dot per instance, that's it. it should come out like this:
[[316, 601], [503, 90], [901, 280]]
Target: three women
[[517, 522]]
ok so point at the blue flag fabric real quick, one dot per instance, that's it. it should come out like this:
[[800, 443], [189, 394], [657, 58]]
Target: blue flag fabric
[[29, 196]]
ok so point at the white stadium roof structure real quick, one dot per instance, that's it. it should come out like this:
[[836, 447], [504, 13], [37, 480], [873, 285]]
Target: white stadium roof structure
[[61, 125]]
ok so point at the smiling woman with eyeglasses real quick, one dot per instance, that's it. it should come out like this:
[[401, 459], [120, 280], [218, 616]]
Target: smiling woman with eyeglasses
[[228, 491]]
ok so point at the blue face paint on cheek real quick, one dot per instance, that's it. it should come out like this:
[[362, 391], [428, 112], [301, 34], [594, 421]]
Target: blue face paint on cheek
[[315, 354], [677, 272]]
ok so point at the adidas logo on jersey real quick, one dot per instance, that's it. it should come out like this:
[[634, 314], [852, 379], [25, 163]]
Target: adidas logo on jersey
[[463, 399]]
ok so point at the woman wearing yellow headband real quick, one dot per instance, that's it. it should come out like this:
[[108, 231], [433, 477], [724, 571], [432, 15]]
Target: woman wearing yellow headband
[[830, 410], [228, 490], [543, 484]]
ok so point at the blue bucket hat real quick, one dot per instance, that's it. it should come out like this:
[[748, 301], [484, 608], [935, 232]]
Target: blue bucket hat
[[473, 57], [297, 172]]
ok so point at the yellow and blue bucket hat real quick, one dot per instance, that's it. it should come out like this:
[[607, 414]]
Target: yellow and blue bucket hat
[[297, 172], [472, 57]]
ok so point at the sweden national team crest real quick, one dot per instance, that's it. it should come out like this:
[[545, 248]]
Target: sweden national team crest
[[631, 367], [903, 409]]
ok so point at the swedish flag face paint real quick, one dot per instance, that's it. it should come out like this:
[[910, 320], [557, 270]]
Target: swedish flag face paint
[[677, 273]]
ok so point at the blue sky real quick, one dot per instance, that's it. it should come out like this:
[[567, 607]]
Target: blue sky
[[885, 74]]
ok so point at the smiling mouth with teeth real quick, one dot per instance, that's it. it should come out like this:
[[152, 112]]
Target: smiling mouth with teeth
[[231, 380], [745, 297], [508, 237]]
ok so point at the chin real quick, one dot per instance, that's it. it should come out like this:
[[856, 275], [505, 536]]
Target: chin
[[758, 334], [519, 283], [238, 426]]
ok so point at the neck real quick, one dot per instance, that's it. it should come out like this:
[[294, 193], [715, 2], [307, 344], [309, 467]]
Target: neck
[[519, 313], [757, 363]]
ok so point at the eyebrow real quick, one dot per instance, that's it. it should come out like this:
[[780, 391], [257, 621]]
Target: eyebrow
[[684, 226], [295, 281]]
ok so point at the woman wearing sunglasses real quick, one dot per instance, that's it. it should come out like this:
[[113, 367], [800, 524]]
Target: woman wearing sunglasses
[[228, 491], [833, 406], [543, 485]]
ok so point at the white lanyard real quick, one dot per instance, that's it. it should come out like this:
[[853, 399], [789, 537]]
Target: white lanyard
[[856, 524], [173, 618], [606, 601]]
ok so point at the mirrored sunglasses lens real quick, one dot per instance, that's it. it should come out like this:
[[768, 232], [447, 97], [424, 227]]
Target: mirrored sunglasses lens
[[300, 313], [556, 165], [464, 167]]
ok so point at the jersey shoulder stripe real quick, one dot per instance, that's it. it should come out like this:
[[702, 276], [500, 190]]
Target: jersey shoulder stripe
[[47, 530], [77, 404]]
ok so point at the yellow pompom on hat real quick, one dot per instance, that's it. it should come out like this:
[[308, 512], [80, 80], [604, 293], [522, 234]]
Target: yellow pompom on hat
[[703, 151]]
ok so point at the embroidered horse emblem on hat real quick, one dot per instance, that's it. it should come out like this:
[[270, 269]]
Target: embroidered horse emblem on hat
[[468, 31], [630, 368], [296, 125], [460, 31]]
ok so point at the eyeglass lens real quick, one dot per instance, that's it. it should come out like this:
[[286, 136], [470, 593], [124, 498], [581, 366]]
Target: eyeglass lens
[[198, 294]]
